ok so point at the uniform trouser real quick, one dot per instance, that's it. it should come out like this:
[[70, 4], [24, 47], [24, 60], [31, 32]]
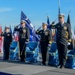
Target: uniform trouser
[[44, 52], [22, 47], [62, 52], [6, 51]]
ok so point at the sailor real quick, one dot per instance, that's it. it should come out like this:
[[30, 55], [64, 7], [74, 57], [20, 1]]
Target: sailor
[[45, 40], [7, 41], [23, 38], [63, 35]]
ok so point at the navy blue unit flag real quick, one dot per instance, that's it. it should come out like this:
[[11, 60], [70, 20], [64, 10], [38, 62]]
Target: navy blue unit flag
[[33, 36], [48, 22], [68, 19]]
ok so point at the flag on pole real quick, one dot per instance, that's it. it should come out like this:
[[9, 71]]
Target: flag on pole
[[74, 33], [69, 22], [58, 7], [68, 19], [0, 29], [52, 30], [1, 41], [74, 30], [48, 22], [33, 36], [24, 17], [15, 35]]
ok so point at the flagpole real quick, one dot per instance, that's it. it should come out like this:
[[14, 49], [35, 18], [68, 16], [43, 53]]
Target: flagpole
[[69, 12], [58, 7], [74, 30]]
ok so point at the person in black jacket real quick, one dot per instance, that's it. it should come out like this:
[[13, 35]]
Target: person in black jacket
[[7, 41], [45, 40], [63, 35], [24, 36]]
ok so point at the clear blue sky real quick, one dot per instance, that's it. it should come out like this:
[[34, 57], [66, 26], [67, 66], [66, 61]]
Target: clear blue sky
[[36, 10]]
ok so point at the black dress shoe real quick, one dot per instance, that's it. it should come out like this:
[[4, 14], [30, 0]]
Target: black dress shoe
[[58, 66], [22, 60], [5, 59], [61, 66], [44, 64]]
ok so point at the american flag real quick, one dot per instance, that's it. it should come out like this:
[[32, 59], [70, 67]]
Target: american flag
[[1, 41]]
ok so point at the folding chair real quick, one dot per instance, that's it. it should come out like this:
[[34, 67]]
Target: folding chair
[[53, 55], [32, 52], [70, 63], [14, 51]]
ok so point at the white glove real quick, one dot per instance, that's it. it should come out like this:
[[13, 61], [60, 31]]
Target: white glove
[[69, 43], [49, 45], [26, 42]]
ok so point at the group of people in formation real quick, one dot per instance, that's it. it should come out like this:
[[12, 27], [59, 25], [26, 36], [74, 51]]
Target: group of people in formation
[[63, 35]]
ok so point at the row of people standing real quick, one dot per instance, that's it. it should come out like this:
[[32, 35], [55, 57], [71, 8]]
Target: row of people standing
[[24, 36], [63, 34]]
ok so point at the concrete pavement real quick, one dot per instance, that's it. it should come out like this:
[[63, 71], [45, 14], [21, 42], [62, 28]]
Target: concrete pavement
[[18, 68]]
